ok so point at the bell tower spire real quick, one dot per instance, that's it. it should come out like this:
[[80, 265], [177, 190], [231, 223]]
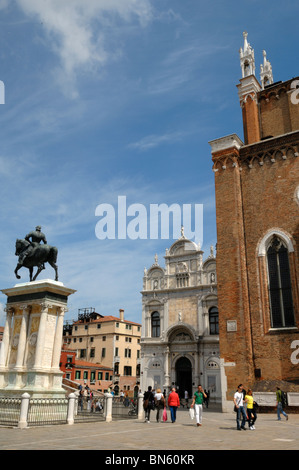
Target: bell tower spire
[[248, 89], [266, 74], [247, 60]]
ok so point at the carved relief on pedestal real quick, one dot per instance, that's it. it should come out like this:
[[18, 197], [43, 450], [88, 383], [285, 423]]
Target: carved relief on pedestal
[[32, 340], [15, 340]]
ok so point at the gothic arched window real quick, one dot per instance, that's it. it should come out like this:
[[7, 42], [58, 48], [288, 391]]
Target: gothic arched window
[[280, 287], [155, 324], [213, 320]]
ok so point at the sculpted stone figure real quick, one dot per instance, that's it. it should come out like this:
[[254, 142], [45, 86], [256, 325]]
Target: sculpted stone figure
[[32, 253], [36, 237]]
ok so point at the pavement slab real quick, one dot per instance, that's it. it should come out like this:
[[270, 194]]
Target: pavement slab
[[218, 432]]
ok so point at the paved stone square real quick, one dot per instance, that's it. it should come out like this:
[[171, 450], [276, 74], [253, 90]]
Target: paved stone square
[[218, 432]]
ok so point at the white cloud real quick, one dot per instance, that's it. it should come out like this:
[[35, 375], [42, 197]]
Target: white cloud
[[153, 140], [181, 66], [3, 4], [79, 31]]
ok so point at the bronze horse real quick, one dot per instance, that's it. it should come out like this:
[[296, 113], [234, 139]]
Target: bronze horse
[[37, 256]]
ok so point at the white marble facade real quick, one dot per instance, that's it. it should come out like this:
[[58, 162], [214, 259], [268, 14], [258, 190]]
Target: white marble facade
[[180, 340]]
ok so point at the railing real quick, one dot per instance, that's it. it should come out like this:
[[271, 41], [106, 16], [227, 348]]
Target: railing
[[25, 411], [43, 411], [124, 408], [90, 409], [10, 411]]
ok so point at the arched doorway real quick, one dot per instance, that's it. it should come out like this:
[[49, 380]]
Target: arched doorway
[[183, 370]]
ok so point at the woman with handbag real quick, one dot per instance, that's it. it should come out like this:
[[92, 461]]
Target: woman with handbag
[[159, 402]]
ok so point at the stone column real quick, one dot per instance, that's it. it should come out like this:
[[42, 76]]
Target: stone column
[[71, 409], [58, 338], [41, 336], [206, 324], [22, 338], [108, 407], [201, 316], [196, 371], [140, 407], [166, 367], [6, 337], [147, 325], [24, 411]]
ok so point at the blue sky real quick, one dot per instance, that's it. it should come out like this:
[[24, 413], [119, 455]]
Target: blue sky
[[108, 98]]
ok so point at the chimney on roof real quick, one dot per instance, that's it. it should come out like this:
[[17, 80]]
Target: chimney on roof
[[121, 314]]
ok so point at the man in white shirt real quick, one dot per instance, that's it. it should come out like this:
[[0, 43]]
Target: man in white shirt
[[240, 410]]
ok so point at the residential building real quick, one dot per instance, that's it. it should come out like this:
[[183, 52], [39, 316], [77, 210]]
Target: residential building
[[96, 376], [110, 341]]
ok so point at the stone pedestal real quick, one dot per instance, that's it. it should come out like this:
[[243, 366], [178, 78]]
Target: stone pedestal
[[32, 339]]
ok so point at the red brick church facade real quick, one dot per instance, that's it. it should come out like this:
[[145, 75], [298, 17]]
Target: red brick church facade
[[257, 207]]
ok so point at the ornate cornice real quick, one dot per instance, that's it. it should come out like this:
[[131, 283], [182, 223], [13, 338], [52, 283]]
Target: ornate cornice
[[268, 144], [276, 88], [272, 150]]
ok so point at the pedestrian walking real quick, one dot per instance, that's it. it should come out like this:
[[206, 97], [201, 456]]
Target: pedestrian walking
[[159, 403], [197, 403], [239, 408], [80, 400], [280, 403], [186, 398], [251, 410], [173, 403], [206, 400], [148, 402], [126, 401]]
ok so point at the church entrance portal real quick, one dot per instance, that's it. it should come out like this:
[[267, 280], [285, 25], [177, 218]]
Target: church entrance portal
[[183, 370]]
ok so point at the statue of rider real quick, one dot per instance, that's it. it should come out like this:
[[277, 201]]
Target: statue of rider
[[36, 236]]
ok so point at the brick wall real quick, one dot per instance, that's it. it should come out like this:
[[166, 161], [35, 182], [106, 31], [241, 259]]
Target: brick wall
[[235, 346], [251, 124], [278, 111], [269, 202], [255, 190]]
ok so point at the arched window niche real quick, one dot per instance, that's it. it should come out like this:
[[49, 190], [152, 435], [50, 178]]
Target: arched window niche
[[155, 324], [276, 266], [214, 321]]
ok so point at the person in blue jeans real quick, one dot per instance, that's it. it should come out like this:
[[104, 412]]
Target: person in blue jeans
[[279, 405], [173, 403], [239, 404]]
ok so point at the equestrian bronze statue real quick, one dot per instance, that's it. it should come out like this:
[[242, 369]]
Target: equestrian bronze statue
[[32, 254]]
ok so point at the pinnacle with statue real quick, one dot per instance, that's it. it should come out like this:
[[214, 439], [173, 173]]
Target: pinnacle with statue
[[34, 251]]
